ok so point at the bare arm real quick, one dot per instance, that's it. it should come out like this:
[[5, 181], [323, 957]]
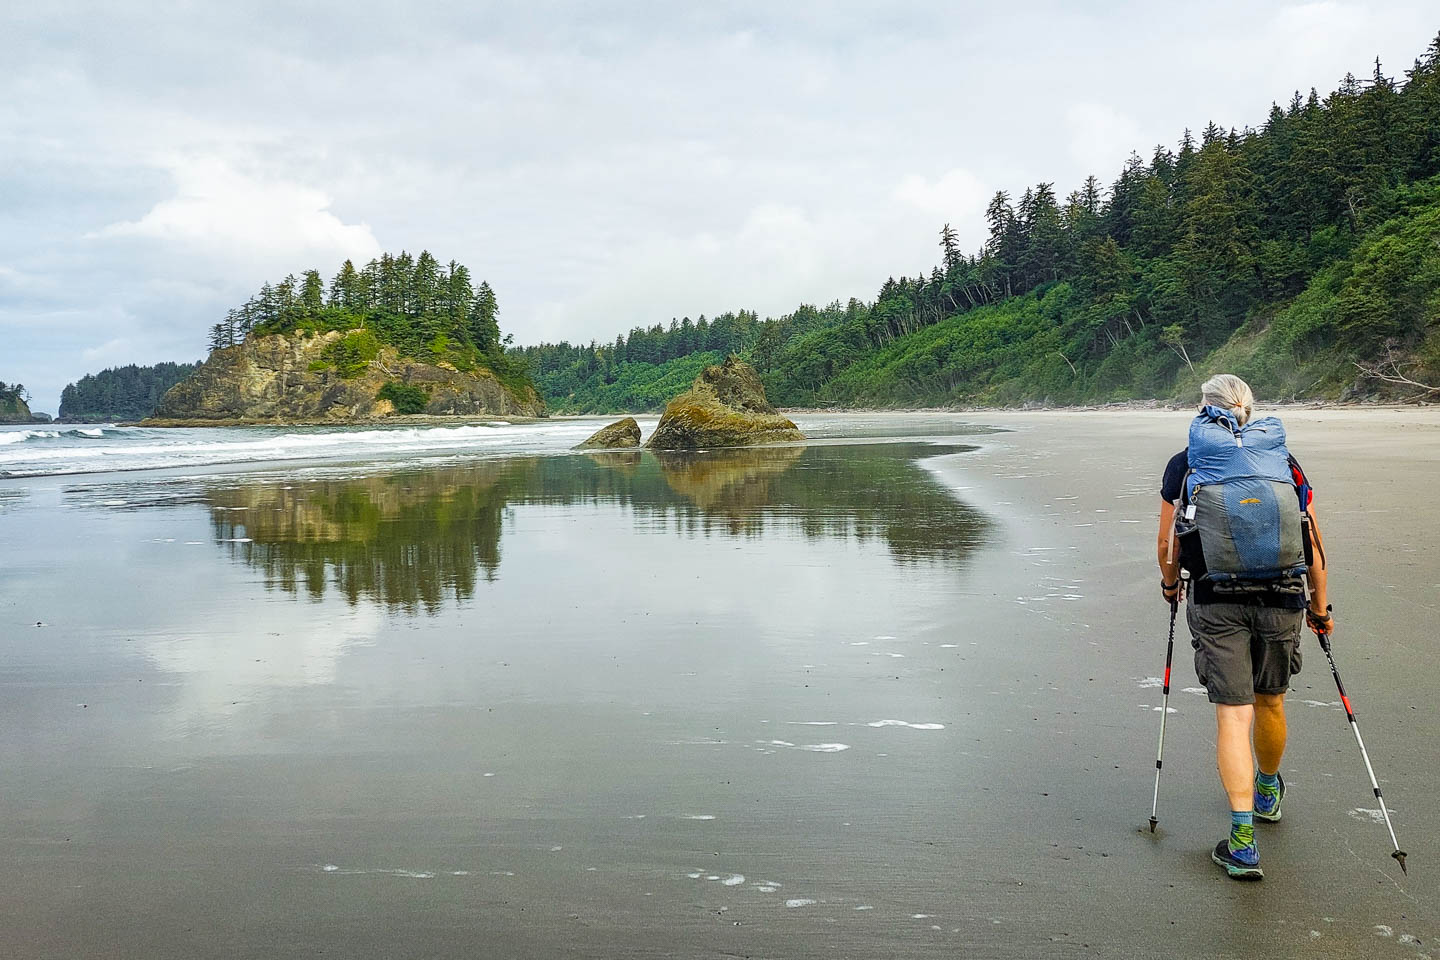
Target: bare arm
[[1166, 554], [1317, 574]]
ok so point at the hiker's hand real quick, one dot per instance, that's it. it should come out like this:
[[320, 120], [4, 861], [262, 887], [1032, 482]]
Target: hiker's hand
[[1321, 621], [1172, 592]]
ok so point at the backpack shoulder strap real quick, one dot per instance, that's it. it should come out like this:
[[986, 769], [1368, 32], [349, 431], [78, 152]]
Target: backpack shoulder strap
[[1303, 490]]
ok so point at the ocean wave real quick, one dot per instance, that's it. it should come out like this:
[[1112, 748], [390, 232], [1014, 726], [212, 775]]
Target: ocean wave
[[20, 436], [9, 437], [91, 449]]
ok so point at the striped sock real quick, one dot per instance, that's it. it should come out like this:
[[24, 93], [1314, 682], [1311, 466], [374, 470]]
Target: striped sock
[[1242, 836], [1271, 780]]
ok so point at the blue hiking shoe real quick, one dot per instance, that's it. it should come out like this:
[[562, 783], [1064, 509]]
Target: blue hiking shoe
[[1267, 800], [1242, 864]]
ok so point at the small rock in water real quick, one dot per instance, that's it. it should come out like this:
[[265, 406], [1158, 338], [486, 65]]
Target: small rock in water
[[621, 433]]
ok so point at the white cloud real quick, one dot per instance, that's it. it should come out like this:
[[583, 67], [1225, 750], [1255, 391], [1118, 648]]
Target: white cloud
[[220, 676], [955, 196], [772, 260], [110, 353], [1315, 29], [18, 283], [228, 213], [1101, 137]]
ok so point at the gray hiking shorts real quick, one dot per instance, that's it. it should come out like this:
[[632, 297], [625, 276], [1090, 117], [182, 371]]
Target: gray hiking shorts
[[1242, 649]]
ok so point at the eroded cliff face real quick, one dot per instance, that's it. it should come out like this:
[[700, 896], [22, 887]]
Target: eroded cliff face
[[284, 379]]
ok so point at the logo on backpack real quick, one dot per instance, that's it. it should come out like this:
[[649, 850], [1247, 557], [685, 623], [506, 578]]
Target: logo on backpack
[[1259, 548]]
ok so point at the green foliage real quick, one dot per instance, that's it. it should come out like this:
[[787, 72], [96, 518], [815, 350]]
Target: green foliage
[[1385, 294], [121, 393], [645, 369], [407, 398], [352, 353], [12, 400], [422, 309]]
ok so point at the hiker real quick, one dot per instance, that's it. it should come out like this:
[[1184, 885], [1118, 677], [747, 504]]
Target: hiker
[[1248, 540]]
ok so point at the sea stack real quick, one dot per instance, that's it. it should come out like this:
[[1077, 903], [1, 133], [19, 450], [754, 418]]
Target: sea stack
[[724, 407], [618, 435]]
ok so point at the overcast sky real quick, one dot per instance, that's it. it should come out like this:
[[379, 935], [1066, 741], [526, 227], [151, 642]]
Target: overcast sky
[[603, 165]]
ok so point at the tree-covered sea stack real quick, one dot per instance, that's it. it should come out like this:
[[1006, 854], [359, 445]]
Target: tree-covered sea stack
[[13, 408], [403, 335]]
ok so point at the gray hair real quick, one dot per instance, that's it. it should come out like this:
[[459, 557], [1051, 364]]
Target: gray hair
[[1228, 392]]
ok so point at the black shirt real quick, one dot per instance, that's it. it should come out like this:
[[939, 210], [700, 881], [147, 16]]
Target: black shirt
[[1202, 591]]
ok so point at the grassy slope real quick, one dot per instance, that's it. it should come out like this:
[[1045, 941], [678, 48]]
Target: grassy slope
[[1387, 288]]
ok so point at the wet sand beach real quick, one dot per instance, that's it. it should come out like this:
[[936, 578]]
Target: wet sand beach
[[1088, 483], [891, 694]]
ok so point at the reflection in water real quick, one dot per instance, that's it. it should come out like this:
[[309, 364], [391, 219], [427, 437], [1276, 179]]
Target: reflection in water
[[733, 484], [11, 497], [407, 540], [414, 539]]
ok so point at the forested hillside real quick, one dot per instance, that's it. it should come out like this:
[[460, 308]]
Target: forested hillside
[[121, 393], [1303, 254]]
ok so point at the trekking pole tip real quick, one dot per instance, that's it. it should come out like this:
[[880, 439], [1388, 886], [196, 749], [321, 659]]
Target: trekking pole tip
[[1399, 856], [1153, 822]]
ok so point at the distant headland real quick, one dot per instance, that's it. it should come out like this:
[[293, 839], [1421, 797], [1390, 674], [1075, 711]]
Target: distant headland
[[400, 336], [13, 405]]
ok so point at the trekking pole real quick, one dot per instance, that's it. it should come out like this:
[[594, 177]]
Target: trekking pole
[[1165, 710], [1324, 637]]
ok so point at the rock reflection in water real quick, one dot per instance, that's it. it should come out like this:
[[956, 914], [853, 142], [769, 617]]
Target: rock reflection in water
[[417, 539]]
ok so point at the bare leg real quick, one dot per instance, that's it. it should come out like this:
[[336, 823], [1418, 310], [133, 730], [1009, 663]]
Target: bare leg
[[1233, 754], [1269, 731]]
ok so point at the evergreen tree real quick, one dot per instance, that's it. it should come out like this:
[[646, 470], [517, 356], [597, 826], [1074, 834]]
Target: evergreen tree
[[484, 318], [312, 292]]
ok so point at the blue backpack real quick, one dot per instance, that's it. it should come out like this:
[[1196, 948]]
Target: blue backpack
[[1240, 496]]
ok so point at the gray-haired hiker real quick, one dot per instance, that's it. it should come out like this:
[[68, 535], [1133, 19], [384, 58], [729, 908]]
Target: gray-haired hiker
[[1239, 508]]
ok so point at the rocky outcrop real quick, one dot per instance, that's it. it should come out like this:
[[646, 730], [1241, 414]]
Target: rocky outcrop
[[15, 412], [724, 407], [18, 411], [289, 379], [620, 434]]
